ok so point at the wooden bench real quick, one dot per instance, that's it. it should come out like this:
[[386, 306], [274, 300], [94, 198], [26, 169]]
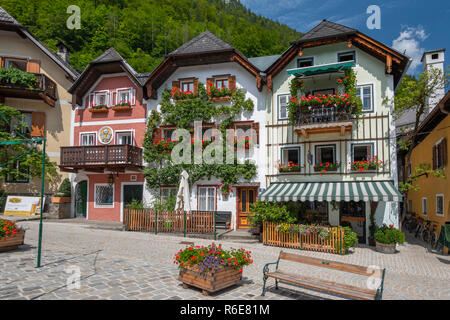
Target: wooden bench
[[325, 285]]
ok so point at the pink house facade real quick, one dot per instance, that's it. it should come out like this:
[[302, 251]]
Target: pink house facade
[[107, 131]]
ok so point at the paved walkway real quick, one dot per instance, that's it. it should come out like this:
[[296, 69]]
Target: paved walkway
[[131, 265]]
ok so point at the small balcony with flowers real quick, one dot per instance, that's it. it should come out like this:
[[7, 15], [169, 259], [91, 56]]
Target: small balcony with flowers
[[323, 99]]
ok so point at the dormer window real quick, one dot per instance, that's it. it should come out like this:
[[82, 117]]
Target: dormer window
[[434, 56], [101, 98], [346, 56], [305, 62], [125, 95]]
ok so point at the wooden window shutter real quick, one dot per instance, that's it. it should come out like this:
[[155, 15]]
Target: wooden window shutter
[[195, 85], [175, 85], [2, 62], [157, 134], [444, 151], [33, 66], [38, 124], [255, 126], [209, 83], [434, 158], [232, 83]]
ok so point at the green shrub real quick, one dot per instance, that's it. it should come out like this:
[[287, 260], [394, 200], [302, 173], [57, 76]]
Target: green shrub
[[135, 205], [16, 76], [64, 189], [389, 235], [350, 238], [270, 212]]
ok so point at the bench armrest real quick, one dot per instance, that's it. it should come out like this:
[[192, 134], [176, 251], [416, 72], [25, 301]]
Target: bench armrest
[[266, 266], [379, 294]]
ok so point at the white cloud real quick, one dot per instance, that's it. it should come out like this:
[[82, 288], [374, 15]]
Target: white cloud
[[409, 41]]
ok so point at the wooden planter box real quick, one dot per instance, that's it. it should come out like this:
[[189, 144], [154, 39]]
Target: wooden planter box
[[217, 99], [121, 108], [60, 199], [221, 279], [385, 248], [11, 243], [101, 110]]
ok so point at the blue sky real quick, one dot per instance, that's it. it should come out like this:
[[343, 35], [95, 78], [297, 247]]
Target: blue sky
[[411, 25]]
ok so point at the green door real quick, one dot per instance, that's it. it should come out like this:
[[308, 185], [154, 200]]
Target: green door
[[132, 192], [81, 199]]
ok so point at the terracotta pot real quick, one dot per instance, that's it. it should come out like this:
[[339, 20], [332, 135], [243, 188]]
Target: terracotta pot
[[223, 278], [11, 243], [61, 199], [385, 248]]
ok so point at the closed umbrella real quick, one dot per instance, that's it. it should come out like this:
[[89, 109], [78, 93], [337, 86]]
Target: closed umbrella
[[183, 200]]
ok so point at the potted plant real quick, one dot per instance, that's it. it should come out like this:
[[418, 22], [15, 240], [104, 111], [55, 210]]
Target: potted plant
[[225, 189], [11, 236], [290, 167], [180, 96], [122, 106], [219, 94], [386, 238], [327, 166], [211, 268], [98, 108], [367, 165], [64, 192], [164, 146]]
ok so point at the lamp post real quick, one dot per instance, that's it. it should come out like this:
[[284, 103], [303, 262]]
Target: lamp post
[[42, 204]]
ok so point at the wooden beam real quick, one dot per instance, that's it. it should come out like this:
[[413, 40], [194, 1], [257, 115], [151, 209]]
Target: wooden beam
[[388, 64]]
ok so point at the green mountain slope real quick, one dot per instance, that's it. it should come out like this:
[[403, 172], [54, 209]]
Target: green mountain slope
[[143, 31]]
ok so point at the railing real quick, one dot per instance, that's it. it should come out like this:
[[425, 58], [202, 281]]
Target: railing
[[101, 155], [185, 222], [295, 240], [322, 114], [43, 84]]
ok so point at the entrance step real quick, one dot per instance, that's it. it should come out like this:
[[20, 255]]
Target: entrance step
[[240, 235]]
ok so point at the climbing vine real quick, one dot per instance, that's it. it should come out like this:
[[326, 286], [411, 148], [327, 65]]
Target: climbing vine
[[182, 114]]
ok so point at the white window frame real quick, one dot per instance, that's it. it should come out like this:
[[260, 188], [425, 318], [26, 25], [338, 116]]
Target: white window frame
[[358, 144], [88, 133], [95, 196], [320, 146], [131, 93], [344, 52], [206, 199], [297, 148], [360, 88], [440, 195], [304, 59], [424, 206], [288, 96], [436, 155], [93, 98], [117, 132]]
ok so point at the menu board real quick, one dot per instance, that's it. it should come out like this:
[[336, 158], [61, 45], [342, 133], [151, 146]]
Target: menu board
[[22, 206]]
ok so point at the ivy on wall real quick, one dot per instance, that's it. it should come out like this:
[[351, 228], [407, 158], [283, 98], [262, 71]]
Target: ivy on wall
[[182, 114]]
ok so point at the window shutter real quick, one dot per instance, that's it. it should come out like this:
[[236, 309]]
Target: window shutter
[[195, 85], [444, 151], [33, 66], [175, 85], [255, 126], [2, 61], [232, 83], [133, 96], [434, 158], [38, 124], [157, 133], [209, 83]]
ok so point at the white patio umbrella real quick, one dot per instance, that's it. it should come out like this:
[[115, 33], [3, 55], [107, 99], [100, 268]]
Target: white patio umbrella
[[183, 200]]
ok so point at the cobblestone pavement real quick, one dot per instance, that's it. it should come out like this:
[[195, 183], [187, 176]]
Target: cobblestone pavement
[[128, 265]]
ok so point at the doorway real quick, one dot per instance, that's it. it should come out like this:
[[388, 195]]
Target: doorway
[[132, 192], [81, 199], [353, 214], [246, 197]]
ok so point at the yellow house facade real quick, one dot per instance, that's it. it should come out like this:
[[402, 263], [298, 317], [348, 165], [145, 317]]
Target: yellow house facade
[[46, 108], [432, 201]]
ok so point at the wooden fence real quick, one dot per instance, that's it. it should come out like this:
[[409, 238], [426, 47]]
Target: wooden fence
[[170, 221], [334, 244]]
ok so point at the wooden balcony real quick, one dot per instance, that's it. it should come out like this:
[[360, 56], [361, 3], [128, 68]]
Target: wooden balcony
[[116, 158], [44, 89], [323, 119]]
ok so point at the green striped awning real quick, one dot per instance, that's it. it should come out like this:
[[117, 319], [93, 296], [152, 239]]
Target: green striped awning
[[329, 191], [323, 68]]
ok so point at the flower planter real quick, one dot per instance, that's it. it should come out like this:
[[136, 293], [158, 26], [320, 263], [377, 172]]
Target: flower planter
[[100, 110], [61, 199], [223, 278], [225, 193], [385, 248], [121, 108], [216, 99], [12, 242], [319, 169]]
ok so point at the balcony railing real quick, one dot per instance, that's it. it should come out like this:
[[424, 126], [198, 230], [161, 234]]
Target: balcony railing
[[100, 157], [44, 86], [322, 114]]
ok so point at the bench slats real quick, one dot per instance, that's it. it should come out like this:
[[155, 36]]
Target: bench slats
[[330, 264], [325, 285]]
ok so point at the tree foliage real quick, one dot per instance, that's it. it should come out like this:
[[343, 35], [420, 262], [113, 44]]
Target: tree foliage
[[143, 31]]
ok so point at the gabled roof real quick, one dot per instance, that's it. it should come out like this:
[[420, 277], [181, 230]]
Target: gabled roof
[[326, 29], [108, 62], [204, 42], [7, 22], [262, 63]]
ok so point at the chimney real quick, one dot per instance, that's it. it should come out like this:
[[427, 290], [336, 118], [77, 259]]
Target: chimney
[[434, 59], [63, 51]]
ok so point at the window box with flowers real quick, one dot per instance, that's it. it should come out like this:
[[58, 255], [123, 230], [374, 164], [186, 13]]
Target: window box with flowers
[[122, 106], [164, 146], [290, 167], [367, 165], [98, 108], [204, 143], [245, 142], [180, 95], [219, 94], [211, 268], [11, 236], [327, 166]]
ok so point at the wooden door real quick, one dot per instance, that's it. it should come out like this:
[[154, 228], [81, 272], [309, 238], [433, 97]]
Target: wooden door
[[246, 196]]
